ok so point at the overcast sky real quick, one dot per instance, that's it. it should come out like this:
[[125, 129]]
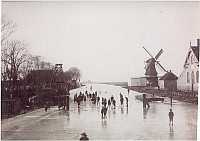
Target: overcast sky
[[105, 39]]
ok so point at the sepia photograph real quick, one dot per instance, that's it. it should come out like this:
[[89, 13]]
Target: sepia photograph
[[99, 70]]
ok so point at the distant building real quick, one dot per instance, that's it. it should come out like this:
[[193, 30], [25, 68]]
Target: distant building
[[138, 82], [46, 79], [189, 78], [168, 81]]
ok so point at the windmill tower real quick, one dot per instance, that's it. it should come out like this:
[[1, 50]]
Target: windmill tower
[[150, 69]]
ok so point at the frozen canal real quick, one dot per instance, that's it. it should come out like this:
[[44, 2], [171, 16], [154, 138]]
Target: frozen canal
[[122, 123]]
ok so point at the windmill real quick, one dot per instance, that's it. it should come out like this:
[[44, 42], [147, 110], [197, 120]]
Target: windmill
[[150, 69]]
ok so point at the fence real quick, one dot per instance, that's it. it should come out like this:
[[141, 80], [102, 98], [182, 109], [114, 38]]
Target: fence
[[10, 106]]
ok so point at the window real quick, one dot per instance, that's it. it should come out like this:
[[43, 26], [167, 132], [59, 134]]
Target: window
[[188, 77], [197, 76], [192, 77], [191, 59]]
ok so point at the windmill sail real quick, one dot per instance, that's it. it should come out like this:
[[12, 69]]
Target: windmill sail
[[159, 53], [148, 52], [161, 66]]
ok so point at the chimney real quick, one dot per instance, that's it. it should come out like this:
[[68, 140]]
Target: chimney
[[198, 42]]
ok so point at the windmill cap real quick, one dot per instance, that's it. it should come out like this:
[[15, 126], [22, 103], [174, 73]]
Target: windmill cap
[[169, 76]]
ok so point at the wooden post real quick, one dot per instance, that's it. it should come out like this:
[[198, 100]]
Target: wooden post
[[67, 102], [144, 100], [192, 88], [171, 99]]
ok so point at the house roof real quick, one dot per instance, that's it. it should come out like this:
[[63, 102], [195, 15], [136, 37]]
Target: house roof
[[169, 76], [195, 49], [45, 76], [41, 76]]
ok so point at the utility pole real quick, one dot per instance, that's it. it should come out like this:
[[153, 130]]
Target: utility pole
[[171, 98], [192, 80], [171, 95]]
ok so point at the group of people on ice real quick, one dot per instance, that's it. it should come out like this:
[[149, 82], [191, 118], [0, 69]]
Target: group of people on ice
[[83, 97], [111, 104], [95, 99], [122, 99]]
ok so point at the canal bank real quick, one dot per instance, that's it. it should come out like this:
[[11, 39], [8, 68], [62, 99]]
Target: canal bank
[[188, 97]]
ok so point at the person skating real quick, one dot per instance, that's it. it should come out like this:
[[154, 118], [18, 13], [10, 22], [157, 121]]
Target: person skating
[[121, 95], [114, 103], [102, 101], [105, 102], [46, 106], [126, 101], [98, 99], [84, 137], [84, 98], [75, 97], [147, 103], [102, 112], [105, 112], [109, 103], [122, 100], [79, 102], [112, 98], [171, 116]]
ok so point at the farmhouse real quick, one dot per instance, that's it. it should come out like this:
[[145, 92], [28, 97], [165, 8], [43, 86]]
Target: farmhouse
[[189, 78]]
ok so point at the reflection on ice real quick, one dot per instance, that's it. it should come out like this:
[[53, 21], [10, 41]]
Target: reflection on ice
[[145, 111], [171, 132], [104, 123], [132, 123]]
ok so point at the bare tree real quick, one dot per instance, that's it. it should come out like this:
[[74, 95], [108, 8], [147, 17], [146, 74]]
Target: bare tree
[[27, 66], [68, 75], [4, 65], [75, 73], [36, 61], [48, 65], [7, 28], [14, 54]]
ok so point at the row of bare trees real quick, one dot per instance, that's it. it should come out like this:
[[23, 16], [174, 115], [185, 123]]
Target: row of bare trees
[[73, 74], [17, 64], [16, 61]]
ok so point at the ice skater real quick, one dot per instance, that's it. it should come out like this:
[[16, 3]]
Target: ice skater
[[171, 116], [109, 103], [84, 137], [104, 112], [126, 101]]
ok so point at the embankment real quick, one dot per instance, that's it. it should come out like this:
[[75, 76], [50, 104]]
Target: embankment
[[177, 95]]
